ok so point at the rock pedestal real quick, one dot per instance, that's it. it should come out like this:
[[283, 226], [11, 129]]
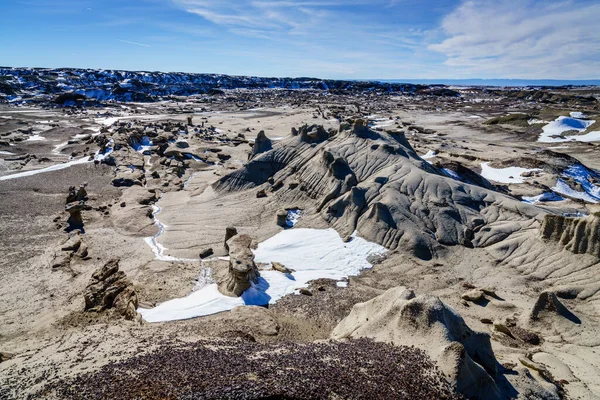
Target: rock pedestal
[[242, 271]]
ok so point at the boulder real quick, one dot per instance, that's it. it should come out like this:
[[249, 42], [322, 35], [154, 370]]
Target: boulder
[[280, 267], [110, 289], [75, 220], [230, 232], [129, 178], [281, 218]]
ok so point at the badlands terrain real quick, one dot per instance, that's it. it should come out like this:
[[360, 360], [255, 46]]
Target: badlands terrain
[[211, 237]]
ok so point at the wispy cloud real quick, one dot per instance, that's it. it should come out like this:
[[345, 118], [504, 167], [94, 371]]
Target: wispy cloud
[[133, 43], [522, 39]]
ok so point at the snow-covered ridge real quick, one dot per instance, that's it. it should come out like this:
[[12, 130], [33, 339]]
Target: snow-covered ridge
[[26, 84]]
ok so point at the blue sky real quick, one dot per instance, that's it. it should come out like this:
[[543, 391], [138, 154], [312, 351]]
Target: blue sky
[[356, 39]]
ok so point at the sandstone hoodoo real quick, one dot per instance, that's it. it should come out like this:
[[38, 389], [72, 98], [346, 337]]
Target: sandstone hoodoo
[[75, 204], [110, 290], [241, 272]]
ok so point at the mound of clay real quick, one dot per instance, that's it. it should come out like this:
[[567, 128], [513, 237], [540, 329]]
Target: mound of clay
[[261, 144], [110, 289], [374, 182], [400, 318], [578, 235], [242, 271]]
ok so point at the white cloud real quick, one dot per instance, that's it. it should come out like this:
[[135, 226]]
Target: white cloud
[[133, 43], [522, 39]]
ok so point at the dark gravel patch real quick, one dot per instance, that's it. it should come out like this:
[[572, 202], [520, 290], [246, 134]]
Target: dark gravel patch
[[357, 369]]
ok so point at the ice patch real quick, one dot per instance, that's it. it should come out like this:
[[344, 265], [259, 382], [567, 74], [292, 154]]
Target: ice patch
[[504, 175], [56, 167], [152, 241], [577, 114], [6, 153], [312, 253], [451, 173]]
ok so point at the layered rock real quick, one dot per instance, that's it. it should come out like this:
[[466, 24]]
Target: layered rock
[[75, 204], [242, 270], [375, 183], [578, 235], [110, 289], [400, 318]]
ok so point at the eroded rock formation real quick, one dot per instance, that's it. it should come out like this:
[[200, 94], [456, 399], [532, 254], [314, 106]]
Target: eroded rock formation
[[398, 317], [261, 144], [110, 289], [242, 271], [374, 182], [578, 235], [74, 205]]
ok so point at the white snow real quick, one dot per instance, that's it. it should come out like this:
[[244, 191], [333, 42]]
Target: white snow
[[293, 216], [6, 153], [429, 154], [34, 138], [584, 177], [546, 196], [451, 173], [312, 253], [504, 175], [577, 114], [57, 167], [552, 131]]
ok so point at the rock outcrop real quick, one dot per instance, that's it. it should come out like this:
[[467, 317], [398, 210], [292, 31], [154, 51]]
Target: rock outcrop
[[74, 205], [547, 307], [242, 271], [373, 182], [578, 235], [110, 289], [261, 144], [400, 318]]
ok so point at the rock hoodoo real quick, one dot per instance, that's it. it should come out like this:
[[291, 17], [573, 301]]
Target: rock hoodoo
[[75, 204], [242, 271], [261, 144], [110, 289]]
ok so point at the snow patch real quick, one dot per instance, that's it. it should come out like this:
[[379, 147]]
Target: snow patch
[[505, 175], [312, 253], [546, 196], [552, 131]]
